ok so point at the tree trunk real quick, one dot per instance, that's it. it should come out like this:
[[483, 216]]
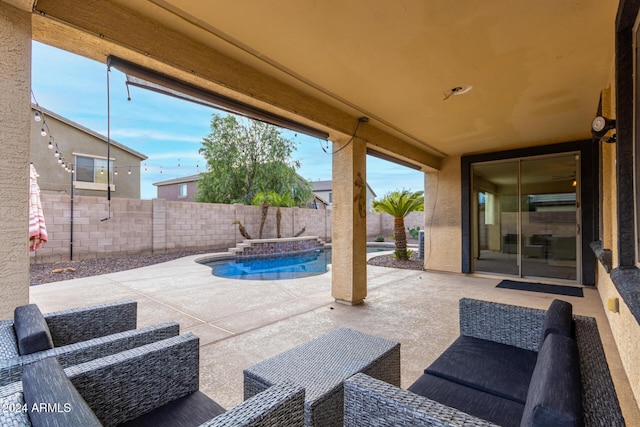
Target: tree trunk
[[265, 209], [401, 238], [243, 231], [278, 219]]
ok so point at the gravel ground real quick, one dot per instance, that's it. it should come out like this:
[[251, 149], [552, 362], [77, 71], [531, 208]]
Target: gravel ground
[[43, 273], [414, 262]]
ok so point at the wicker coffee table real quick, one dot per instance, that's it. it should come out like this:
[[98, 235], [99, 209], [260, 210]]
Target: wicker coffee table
[[322, 365]]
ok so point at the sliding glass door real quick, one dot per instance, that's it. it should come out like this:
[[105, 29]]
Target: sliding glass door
[[526, 215]]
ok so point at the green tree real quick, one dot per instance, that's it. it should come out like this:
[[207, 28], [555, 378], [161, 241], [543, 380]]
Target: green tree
[[399, 204], [243, 156]]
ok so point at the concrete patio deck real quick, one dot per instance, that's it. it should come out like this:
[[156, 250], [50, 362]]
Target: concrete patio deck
[[243, 322]]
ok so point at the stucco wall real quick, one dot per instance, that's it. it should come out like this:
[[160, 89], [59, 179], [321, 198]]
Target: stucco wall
[[442, 214], [624, 326], [15, 87], [143, 226], [625, 329]]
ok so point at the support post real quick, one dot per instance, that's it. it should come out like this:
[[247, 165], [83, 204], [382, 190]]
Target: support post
[[349, 222], [15, 125]]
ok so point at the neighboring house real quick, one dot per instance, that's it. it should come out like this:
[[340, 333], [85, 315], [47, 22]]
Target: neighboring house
[[323, 190], [318, 203], [182, 189], [86, 150]]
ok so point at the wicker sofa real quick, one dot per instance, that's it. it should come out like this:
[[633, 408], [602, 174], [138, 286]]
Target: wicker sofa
[[450, 397], [153, 385], [73, 336]]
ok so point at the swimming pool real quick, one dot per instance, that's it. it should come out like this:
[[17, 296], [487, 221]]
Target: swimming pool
[[273, 268], [291, 266]]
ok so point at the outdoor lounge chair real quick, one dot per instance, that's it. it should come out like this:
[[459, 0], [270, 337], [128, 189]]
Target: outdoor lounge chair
[[153, 385], [569, 384], [72, 336]]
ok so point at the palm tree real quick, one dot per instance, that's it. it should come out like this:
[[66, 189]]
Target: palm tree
[[399, 204], [280, 200], [265, 199]]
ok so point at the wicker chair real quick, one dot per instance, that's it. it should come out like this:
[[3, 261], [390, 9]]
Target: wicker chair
[[156, 384], [372, 402], [80, 335]]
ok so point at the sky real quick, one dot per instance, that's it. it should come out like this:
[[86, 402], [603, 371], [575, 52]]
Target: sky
[[167, 130]]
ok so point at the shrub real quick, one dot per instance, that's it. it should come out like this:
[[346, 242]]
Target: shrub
[[415, 232], [379, 239]]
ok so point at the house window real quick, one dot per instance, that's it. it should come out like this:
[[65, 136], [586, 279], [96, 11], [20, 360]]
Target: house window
[[93, 170], [89, 169], [330, 197], [182, 190]]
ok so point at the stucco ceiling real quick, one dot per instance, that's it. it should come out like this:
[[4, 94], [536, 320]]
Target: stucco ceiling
[[536, 67]]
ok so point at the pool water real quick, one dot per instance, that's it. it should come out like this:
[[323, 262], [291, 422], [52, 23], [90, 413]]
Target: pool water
[[291, 266], [273, 268]]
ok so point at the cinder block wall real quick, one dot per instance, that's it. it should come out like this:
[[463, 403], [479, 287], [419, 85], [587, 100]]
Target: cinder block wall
[[157, 226]]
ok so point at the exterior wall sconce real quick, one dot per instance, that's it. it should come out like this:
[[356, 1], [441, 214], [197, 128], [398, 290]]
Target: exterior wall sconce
[[600, 126]]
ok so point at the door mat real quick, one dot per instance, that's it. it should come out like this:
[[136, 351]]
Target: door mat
[[541, 287]]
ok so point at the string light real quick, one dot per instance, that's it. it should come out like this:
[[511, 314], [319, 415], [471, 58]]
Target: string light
[[39, 116]]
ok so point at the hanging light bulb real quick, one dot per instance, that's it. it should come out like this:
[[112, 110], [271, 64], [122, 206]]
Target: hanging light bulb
[[36, 116], [59, 159], [57, 153], [50, 143], [115, 172], [129, 172], [101, 171], [43, 132]]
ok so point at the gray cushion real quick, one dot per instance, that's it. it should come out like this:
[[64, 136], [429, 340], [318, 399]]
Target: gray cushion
[[48, 390], [192, 410], [8, 342], [496, 409], [488, 366], [31, 330], [555, 392], [558, 320]]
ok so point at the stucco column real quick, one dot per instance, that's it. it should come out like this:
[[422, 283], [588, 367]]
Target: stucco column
[[349, 222], [15, 116]]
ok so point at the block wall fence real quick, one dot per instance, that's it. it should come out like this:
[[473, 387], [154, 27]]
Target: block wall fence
[[159, 226]]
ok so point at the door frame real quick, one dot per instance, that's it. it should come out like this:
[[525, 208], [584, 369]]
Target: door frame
[[589, 196]]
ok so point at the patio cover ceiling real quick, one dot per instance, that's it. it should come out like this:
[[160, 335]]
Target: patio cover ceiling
[[536, 67]]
